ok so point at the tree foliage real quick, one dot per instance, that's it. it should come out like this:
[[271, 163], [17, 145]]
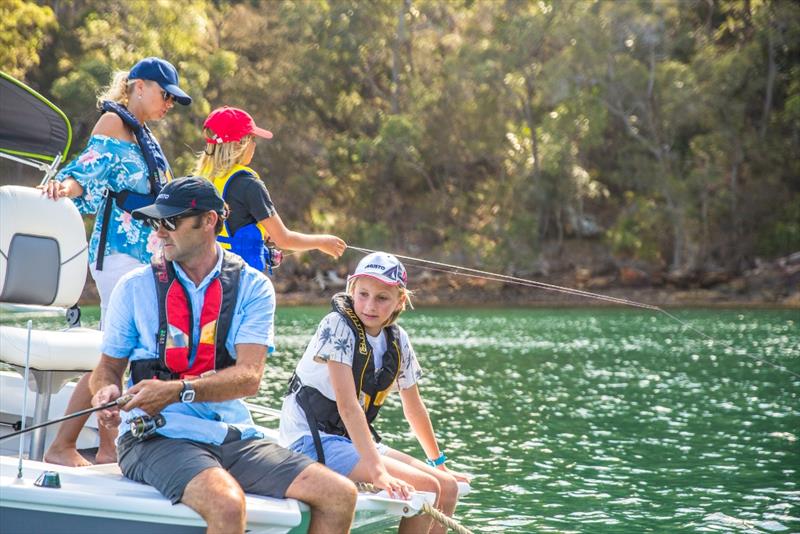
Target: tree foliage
[[480, 130]]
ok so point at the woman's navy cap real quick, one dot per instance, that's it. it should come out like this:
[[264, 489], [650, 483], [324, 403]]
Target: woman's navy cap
[[182, 195], [163, 73]]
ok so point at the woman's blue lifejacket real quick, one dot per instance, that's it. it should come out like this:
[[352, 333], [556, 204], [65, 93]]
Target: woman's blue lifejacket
[[158, 173], [249, 240]]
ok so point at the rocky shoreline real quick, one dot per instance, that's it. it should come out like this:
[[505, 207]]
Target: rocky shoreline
[[773, 284], [443, 291], [767, 284]]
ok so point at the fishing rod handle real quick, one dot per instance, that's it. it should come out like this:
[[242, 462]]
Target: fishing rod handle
[[121, 401]]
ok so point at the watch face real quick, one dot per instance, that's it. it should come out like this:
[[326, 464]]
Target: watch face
[[187, 396]]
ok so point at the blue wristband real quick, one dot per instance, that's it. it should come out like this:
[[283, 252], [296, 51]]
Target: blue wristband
[[437, 462]]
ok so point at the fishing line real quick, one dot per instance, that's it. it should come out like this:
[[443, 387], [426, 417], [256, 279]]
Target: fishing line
[[442, 267]]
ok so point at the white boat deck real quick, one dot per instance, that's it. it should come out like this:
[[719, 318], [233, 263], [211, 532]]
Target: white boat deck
[[102, 492]]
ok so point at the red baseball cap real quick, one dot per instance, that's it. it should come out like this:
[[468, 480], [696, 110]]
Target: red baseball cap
[[232, 124]]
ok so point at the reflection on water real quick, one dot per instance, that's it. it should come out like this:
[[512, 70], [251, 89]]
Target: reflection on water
[[602, 420]]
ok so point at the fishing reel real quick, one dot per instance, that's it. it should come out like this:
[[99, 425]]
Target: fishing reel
[[73, 316], [273, 256], [143, 427]]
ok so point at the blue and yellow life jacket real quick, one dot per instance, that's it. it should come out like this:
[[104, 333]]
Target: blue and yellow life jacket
[[249, 240]]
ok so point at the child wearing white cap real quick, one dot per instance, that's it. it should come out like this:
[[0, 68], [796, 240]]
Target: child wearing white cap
[[357, 356]]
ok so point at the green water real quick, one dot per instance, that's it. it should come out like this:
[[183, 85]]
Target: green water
[[602, 420]]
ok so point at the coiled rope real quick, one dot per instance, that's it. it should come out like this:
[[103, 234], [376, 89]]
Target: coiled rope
[[447, 521]]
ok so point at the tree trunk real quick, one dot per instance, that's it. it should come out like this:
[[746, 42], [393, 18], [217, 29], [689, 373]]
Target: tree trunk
[[736, 219], [704, 237], [536, 177], [531, 122], [772, 71], [397, 61], [678, 235], [559, 230]]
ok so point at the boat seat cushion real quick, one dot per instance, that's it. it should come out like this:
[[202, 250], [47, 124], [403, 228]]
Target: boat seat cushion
[[43, 250], [32, 274], [75, 349]]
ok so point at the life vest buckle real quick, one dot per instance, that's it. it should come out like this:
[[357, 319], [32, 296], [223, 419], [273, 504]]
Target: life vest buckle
[[294, 384]]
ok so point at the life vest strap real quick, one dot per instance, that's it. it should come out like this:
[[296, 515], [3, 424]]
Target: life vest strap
[[321, 412], [157, 174], [101, 246], [149, 369], [151, 150], [224, 194], [303, 402], [164, 275]]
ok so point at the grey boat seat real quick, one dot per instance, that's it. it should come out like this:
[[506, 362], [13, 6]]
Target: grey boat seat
[[43, 259]]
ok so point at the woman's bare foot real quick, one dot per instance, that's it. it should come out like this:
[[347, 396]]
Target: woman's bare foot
[[106, 456], [66, 456]]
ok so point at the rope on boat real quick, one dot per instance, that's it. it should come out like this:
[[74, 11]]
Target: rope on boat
[[442, 267], [447, 521]]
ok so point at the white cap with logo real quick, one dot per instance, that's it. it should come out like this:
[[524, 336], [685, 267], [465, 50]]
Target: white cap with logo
[[383, 267]]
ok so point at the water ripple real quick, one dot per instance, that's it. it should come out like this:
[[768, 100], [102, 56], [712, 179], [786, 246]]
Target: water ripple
[[602, 420]]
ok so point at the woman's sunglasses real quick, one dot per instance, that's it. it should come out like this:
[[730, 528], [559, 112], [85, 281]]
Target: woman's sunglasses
[[167, 96]]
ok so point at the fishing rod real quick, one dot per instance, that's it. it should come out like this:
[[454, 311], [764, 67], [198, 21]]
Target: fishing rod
[[468, 272], [122, 401]]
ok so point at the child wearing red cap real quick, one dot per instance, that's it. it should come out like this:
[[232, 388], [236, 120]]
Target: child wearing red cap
[[358, 356], [230, 145]]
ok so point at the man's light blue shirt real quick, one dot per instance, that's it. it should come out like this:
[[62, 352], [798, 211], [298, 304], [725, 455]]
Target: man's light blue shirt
[[131, 331]]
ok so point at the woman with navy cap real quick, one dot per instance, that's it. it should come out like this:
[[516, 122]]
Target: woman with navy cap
[[121, 169]]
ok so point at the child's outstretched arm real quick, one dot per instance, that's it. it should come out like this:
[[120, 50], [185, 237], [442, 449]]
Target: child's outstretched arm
[[420, 421], [356, 423], [291, 240]]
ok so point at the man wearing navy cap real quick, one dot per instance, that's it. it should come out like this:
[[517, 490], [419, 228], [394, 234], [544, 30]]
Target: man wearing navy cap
[[195, 328]]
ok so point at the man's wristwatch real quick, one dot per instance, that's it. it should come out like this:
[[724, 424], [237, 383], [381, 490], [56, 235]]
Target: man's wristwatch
[[187, 393]]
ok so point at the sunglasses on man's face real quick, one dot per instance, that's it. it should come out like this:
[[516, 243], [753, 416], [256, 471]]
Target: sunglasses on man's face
[[169, 223]]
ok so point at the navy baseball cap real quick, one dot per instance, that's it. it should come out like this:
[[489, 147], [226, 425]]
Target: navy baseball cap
[[163, 73], [182, 195]]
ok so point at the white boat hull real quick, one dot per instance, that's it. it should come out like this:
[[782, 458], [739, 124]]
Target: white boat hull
[[100, 499], [95, 498]]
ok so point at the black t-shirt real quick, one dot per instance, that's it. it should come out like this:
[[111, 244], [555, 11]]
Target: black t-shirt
[[248, 200]]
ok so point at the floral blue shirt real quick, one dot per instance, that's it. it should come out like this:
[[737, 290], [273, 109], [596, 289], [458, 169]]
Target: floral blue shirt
[[108, 163]]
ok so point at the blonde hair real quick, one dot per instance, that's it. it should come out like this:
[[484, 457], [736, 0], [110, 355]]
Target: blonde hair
[[118, 90], [405, 299], [219, 158]]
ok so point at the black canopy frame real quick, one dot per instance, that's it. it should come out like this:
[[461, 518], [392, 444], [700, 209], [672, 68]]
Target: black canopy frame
[[33, 131]]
